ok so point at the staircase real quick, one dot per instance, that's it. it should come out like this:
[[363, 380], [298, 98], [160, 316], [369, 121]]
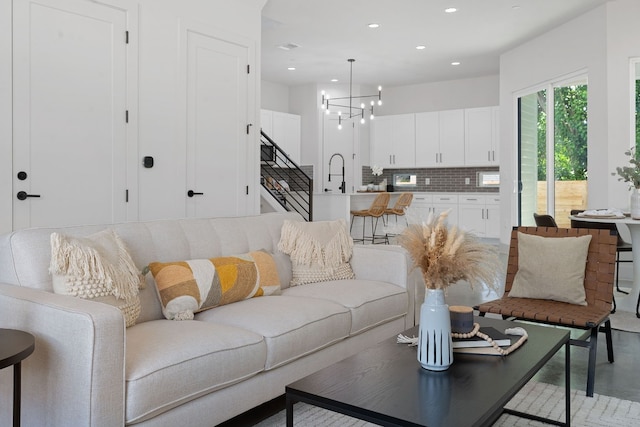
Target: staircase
[[283, 179]]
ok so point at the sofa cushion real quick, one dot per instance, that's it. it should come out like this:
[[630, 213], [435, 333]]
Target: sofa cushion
[[96, 267], [371, 303], [319, 250], [292, 327], [186, 287], [169, 363]]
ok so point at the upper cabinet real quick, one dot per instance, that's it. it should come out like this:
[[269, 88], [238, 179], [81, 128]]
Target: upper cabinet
[[393, 141], [481, 136], [440, 139], [449, 138], [284, 130]]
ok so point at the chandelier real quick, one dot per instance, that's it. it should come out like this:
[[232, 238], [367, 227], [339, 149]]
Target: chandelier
[[351, 111]]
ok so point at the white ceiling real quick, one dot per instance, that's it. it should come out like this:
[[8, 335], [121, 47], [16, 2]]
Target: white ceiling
[[331, 31]]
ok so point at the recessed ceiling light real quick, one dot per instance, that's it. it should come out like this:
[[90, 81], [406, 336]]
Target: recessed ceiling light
[[291, 68], [334, 80], [451, 10], [373, 25], [420, 47], [455, 63]]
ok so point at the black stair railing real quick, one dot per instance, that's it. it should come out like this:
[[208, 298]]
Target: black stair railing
[[284, 180]]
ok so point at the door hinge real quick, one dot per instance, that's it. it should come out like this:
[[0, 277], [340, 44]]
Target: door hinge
[[126, 196], [248, 126], [247, 190], [126, 116], [248, 69], [126, 37]]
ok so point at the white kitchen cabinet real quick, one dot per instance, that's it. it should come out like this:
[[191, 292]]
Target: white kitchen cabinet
[[446, 202], [440, 138], [393, 141], [421, 205], [284, 130], [480, 214], [481, 136]]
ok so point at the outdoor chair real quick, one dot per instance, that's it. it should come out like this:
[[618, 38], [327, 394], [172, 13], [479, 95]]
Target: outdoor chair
[[375, 211], [598, 286]]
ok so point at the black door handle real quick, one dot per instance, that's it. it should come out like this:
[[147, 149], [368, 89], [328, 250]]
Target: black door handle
[[192, 193], [22, 195]]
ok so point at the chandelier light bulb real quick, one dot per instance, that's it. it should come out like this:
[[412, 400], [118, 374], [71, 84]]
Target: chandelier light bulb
[[353, 111]]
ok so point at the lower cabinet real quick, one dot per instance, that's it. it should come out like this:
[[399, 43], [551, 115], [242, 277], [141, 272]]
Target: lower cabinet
[[448, 202], [480, 214]]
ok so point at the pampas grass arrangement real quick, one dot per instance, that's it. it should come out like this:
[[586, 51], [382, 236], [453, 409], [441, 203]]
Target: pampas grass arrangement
[[446, 255]]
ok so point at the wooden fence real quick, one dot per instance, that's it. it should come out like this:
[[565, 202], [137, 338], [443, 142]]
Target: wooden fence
[[569, 195]]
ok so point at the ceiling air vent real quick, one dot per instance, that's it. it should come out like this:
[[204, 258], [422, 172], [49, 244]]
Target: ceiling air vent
[[288, 46]]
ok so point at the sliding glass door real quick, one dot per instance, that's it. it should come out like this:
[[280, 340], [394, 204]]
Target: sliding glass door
[[552, 141]]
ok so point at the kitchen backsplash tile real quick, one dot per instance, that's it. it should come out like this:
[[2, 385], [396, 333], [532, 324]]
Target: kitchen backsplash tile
[[450, 180]]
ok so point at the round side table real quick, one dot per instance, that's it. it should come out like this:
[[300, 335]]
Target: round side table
[[15, 346]]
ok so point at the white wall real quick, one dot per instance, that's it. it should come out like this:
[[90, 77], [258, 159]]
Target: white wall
[[446, 95], [600, 42], [275, 97], [160, 114]]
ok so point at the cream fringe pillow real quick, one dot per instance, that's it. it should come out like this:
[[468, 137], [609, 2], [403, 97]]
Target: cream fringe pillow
[[319, 250], [96, 267]]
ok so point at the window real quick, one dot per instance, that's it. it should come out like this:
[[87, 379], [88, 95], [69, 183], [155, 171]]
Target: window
[[552, 138]]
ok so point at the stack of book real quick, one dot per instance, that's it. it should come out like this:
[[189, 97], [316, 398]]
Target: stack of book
[[477, 345]]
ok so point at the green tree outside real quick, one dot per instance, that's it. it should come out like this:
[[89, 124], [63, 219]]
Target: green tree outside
[[570, 151]]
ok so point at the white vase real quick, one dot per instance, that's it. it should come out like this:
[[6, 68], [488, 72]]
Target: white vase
[[634, 204], [435, 352]]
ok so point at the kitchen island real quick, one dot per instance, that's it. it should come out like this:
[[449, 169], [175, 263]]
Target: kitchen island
[[475, 212]]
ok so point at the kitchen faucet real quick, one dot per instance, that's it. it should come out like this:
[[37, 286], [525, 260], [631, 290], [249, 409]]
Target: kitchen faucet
[[343, 186]]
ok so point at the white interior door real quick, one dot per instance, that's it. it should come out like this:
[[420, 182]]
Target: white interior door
[[216, 126], [69, 141]]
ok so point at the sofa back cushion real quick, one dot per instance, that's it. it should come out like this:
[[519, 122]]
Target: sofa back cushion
[[25, 255]]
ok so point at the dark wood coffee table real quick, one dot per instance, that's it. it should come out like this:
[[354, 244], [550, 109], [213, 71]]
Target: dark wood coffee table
[[386, 385], [15, 346]]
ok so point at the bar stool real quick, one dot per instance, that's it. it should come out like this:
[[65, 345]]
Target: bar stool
[[376, 210], [401, 204]]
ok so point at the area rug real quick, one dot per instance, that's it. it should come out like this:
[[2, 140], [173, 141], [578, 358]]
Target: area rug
[[541, 399], [625, 321]]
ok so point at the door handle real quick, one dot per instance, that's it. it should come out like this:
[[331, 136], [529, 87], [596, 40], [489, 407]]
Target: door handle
[[22, 195], [192, 193]]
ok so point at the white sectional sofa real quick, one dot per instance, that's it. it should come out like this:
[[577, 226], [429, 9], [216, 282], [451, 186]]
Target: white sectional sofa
[[89, 370]]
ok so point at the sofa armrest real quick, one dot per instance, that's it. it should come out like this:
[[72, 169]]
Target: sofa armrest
[[75, 375], [389, 263]]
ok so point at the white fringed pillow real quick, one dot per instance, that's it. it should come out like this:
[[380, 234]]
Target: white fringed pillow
[[319, 250], [97, 267]]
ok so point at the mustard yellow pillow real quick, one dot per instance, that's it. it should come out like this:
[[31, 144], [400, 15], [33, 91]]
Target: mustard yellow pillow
[[551, 268], [187, 287]]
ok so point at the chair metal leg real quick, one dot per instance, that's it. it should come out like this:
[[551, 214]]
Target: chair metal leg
[[617, 275], [591, 370], [609, 339]]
